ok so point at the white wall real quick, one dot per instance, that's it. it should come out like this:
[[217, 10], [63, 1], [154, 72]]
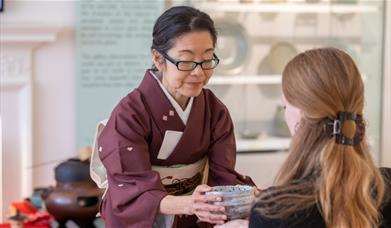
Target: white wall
[[1, 169], [386, 131], [53, 91], [54, 114]]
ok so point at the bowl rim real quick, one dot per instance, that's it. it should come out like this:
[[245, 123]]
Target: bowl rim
[[236, 193]]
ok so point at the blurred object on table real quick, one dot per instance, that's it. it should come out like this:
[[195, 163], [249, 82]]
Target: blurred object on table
[[75, 196]]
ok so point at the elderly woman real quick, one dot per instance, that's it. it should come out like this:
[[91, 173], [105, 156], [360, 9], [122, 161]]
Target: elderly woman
[[170, 139]]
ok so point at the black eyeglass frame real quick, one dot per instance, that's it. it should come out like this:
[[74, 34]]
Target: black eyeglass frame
[[195, 64]]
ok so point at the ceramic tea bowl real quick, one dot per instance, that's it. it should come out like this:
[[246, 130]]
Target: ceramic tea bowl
[[237, 199]]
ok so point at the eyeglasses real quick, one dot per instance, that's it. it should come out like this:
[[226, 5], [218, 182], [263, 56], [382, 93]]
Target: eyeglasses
[[191, 65]]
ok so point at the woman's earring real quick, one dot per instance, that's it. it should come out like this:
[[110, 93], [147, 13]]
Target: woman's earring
[[297, 125]]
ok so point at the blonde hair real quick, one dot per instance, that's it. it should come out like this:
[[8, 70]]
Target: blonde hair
[[342, 180]]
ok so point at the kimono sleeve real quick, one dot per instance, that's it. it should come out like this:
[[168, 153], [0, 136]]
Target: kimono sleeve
[[222, 151], [134, 189]]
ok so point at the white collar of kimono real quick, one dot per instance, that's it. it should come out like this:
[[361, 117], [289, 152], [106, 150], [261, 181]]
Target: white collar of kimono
[[183, 114]]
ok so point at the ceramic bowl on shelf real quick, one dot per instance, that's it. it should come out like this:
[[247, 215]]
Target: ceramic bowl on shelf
[[248, 134], [273, 63], [345, 1], [237, 199], [232, 47], [280, 54], [280, 127]]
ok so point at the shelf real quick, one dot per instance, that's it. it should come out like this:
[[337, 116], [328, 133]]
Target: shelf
[[308, 39], [245, 79], [287, 7], [28, 33], [263, 144], [13, 83], [273, 79]]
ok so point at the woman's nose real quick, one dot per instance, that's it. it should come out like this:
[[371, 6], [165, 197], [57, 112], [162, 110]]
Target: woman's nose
[[198, 71]]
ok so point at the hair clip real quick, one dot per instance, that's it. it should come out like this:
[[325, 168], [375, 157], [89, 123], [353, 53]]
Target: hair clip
[[334, 128]]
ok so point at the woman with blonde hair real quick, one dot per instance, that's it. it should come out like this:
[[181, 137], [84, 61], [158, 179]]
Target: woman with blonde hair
[[329, 178]]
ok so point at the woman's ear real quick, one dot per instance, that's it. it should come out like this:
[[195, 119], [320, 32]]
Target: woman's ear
[[158, 60]]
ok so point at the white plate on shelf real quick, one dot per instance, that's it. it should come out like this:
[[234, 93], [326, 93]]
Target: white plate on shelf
[[232, 46], [279, 55], [262, 144]]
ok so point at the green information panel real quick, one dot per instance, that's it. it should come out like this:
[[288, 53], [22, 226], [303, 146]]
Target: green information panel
[[112, 54]]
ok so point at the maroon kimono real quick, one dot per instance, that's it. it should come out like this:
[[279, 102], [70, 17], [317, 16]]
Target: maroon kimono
[[130, 142]]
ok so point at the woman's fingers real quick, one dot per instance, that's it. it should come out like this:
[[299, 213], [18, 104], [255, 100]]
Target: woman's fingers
[[207, 198], [201, 189], [209, 207], [199, 195], [206, 216], [240, 223], [204, 208]]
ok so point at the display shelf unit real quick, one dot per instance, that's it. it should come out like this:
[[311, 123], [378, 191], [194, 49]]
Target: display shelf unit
[[272, 79], [350, 25], [7, 83], [291, 7], [245, 79], [263, 145]]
